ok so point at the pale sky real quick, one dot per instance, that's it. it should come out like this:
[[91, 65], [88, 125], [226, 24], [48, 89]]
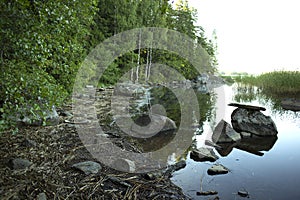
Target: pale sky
[[253, 35]]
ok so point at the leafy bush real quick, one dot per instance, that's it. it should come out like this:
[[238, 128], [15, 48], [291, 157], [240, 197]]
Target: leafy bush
[[27, 92], [42, 46]]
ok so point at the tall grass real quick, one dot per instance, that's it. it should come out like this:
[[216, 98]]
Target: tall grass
[[279, 82]]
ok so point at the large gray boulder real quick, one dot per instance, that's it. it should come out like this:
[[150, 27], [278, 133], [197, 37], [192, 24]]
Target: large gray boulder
[[253, 121], [153, 122], [224, 133]]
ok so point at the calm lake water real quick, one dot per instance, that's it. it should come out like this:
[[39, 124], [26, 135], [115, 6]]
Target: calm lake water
[[275, 174], [270, 171]]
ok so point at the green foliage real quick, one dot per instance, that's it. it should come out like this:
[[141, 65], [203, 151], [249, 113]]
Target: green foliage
[[228, 79], [116, 16], [43, 44], [27, 93], [47, 34]]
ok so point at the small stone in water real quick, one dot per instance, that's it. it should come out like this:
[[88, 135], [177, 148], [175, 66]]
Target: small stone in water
[[243, 193], [217, 169]]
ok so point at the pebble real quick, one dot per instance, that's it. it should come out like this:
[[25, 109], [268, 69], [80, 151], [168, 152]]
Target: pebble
[[88, 167], [19, 163]]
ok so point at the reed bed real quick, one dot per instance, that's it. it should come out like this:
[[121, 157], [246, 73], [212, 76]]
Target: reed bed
[[279, 82]]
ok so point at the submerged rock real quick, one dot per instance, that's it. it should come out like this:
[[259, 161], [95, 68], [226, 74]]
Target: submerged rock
[[252, 121], [217, 169], [254, 145], [226, 149], [88, 167], [291, 104], [224, 133], [203, 154], [243, 193], [175, 167]]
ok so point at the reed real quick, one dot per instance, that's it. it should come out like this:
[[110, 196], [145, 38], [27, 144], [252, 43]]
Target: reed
[[279, 82]]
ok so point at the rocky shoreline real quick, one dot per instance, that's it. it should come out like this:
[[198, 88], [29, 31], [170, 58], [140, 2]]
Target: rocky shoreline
[[44, 163]]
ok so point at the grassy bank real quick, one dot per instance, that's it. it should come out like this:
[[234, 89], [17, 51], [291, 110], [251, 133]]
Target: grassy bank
[[279, 82]]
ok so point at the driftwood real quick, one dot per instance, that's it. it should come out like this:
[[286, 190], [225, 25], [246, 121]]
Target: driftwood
[[248, 107], [206, 193]]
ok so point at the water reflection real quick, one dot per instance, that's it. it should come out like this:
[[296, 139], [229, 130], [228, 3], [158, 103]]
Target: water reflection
[[165, 97], [249, 93], [165, 144], [207, 106], [253, 145], [266, 167]]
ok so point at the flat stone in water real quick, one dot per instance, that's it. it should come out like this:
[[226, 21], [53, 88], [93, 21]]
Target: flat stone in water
[[248, 107], [217, 169], [88, 167], [243, 193]]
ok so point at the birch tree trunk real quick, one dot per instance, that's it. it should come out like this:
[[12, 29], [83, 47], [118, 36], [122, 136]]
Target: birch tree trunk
[[139, 57]]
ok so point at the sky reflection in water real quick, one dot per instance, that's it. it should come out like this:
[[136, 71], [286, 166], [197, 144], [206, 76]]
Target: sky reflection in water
[[275, 175]]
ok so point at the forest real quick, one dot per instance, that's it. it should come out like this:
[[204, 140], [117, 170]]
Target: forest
[[43, 44]]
